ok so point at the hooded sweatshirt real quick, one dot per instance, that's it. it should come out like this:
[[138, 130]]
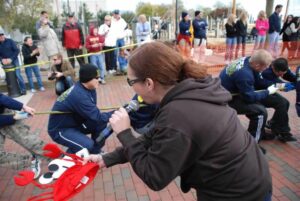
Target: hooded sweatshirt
[[93, 39], [197, 136]]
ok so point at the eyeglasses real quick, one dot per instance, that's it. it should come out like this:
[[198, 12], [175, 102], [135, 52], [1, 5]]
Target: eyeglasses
[[133, 81]]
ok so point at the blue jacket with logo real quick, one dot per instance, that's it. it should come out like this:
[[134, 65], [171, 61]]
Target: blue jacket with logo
[[239, 77], [143, 115], [81, 107], [199, 26]]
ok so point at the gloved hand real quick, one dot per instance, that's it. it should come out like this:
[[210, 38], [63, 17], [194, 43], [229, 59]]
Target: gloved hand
[[288, 87], [19, 115], [272, 89], [280, 86]]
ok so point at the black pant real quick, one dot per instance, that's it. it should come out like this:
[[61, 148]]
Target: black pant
[[280, 119], [257, 114], [110, 58], [73, 52]]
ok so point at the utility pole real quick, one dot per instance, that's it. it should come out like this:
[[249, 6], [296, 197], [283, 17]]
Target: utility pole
[[233, 7], [287, 9]]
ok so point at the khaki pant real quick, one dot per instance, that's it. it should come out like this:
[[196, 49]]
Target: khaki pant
[[21, 135]]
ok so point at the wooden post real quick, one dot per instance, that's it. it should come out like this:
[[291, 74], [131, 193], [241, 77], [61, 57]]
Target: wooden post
[[233, 7]]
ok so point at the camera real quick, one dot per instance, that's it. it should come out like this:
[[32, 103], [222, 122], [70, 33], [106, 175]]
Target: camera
[[52, 76]]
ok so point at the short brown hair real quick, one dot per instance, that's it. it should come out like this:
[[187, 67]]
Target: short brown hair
[[163, 64]]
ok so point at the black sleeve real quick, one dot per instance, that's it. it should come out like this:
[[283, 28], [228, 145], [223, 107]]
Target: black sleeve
[[63, 36], [290, 76], [81, 35], [26, 52], [160, 162], [115, 157]]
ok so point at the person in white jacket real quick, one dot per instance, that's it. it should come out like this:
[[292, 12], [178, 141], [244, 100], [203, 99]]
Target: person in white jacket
[[48, 38], [109, 44], [143, 30], [118, 27]]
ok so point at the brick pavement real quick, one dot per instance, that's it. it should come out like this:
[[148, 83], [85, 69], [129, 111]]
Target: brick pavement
[[121, 183]]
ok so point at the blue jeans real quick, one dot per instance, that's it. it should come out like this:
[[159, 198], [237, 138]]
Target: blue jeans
[[240, 40], [268, 197], [19, 76], [259, 42], [273, 44], [230, 45], [36, 71], [76, 139], [97, 61], [62, 84], [120, 43]]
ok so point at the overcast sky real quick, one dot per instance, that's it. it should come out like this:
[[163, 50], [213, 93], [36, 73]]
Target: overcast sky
[[252, 6]]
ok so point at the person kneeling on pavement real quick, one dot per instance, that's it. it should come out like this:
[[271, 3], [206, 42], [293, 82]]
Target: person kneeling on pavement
[[82, 116], [63, 74], [240, 78], [279, 124], [14, 160]]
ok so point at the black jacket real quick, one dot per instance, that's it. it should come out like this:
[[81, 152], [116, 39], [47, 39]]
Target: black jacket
[[199, 137], [241, 28], [230, 30], [26, 51]]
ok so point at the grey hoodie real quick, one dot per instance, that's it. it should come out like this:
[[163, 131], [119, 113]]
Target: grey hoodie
[[199, 137]]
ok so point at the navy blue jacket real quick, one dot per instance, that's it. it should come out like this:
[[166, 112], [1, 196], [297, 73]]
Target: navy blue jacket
[[274, 23], [143, 116], [82, 105], [199, 26], [239, 77], [8, 49], [7, 102], [184, 27], [271, 78]]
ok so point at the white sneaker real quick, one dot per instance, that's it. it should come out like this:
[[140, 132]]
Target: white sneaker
[[103, 81], [42, 89], [33, 90], [36, 167]]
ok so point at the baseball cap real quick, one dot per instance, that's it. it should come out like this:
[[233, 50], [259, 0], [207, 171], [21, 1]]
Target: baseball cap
[[117, 12]]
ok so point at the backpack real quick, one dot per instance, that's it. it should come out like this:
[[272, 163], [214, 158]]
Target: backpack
[[70, 183]]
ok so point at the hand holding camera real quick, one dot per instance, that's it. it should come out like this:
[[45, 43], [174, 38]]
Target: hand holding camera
[[52, 76]]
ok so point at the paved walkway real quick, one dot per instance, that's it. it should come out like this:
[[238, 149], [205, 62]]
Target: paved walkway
[[121, 183]]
